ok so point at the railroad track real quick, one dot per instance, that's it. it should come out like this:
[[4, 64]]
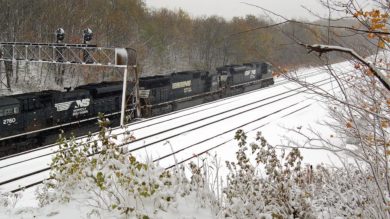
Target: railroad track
[[36, 176], [229, 132], [224, 102], [140, 125]]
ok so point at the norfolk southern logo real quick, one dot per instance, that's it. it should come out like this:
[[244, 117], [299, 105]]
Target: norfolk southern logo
[[181, 84], [79, 108], [251, 74], [144, 93], [82, 103], [63, 106]]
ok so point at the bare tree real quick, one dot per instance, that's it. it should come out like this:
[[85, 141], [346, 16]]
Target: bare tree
[[360, 104]]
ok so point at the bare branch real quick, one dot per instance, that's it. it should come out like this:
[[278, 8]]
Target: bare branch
[[330, 48], [377, 32]]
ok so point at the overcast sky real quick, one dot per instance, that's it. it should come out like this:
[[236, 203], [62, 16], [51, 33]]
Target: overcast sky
[[231, 8]]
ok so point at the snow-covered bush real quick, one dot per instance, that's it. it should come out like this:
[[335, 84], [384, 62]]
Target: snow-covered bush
[[347, 192], [111, 182], [262, 182], [205, 181], [289, 190], [8, 200], [281, 193], [359, 117]]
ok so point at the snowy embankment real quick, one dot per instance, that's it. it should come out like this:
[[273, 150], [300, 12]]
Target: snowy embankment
[[180, 136]]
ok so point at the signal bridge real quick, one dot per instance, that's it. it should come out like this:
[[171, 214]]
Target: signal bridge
[[73, 54], [84, 54]]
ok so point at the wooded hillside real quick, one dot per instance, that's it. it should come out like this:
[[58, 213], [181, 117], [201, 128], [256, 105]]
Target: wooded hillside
[[166, 40]]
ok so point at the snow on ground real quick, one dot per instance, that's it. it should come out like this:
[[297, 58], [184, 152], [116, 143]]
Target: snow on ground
[[305, 113], [187, 208], [276, 131], [273, 127], [232, 119]]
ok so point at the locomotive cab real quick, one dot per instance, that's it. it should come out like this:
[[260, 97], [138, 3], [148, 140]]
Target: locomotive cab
[[224, 74], [266, 70], [11, 121], [36, 109], [256, 69], [214, 82]]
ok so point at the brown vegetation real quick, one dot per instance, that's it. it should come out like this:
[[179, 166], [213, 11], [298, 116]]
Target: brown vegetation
[[166, 40]]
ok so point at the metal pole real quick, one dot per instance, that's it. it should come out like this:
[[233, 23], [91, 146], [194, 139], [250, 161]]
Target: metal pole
[[136, 92], [123, 109]]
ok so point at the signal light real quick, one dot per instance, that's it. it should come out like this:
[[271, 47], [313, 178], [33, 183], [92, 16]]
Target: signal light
[[60, 35], [87, 35]]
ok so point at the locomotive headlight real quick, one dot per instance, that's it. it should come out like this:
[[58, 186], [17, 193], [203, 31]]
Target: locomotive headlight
[[270, 69], [60, 34], [87, 35]]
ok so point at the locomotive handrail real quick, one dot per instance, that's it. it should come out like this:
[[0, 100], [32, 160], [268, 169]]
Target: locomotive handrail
[[61, 126]]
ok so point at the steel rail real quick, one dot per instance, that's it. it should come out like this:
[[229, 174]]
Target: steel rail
[[115, 128], [46, 169], [169, 120]]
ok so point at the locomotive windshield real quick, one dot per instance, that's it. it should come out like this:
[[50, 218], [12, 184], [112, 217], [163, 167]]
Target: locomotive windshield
[[9, 110], [9, 106]]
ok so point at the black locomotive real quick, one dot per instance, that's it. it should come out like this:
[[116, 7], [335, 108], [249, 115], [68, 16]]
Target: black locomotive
[[33, 119], [162, 94]]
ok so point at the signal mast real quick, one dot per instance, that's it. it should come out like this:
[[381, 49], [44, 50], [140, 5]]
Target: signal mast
[[84, 54]]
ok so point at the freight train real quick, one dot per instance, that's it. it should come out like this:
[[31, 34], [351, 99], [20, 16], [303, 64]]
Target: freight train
[[33, 119]]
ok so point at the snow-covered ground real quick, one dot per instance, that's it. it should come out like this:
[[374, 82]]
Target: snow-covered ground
[[209, 127]]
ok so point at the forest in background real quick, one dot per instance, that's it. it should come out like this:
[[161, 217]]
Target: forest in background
[[260, 184], [168, 41]]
